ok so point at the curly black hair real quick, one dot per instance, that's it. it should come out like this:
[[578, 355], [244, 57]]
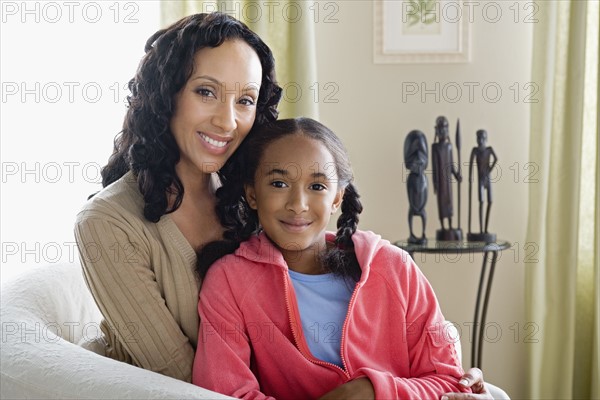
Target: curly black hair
[[146, 145], [241, 221]]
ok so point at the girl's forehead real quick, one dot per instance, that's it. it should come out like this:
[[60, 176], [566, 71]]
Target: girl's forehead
[[290, 146], [297, 150]]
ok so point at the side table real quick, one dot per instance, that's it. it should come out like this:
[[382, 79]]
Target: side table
[[490, 252]]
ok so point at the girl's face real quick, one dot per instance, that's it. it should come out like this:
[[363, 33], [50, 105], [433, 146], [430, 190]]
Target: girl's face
[[295, 192], [216, 108]]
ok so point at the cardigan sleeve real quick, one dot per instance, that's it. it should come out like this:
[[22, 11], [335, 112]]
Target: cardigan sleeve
[[118, 271], [434, 365], [222, 361]]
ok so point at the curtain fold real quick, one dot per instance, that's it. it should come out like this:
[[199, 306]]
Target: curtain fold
[[287, 27], [562, 285]]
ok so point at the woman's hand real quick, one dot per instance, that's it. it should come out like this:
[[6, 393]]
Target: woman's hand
[[473, 379], [360, 388]]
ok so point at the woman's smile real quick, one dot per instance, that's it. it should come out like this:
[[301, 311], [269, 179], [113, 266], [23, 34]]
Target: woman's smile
[[214, 145]]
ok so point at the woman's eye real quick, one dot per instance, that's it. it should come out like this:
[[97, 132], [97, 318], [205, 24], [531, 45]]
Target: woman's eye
[[204, 92], [318, 186], [247, 101], [278, 184]]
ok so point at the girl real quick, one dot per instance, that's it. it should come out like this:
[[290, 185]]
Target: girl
[[297, 312]]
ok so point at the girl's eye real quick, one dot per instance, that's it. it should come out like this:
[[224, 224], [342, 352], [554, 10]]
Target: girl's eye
[[318, 186], [278, 184]]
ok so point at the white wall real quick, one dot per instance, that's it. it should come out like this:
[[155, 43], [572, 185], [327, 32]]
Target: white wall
[[45, 180], [65, 67], [373, 115]]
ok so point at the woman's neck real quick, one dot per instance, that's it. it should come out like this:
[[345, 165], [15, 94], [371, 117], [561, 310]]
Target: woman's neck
[[196, 185], [195, 217]]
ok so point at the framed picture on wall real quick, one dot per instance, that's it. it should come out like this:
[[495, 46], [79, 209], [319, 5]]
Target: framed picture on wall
[[421, 31]]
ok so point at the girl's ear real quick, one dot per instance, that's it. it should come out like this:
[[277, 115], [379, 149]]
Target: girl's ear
[[337, 200], [250, 196]]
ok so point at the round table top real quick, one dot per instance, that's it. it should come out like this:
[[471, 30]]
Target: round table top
[[439, 246]]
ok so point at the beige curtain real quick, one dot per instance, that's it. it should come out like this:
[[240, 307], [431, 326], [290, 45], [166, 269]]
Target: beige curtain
[[288, 29], [563, 290]]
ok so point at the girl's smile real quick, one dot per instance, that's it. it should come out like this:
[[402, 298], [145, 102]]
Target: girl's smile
[[295, 225], [295, 191]]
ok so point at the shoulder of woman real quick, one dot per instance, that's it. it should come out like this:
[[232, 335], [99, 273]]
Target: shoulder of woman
[[121, 199]]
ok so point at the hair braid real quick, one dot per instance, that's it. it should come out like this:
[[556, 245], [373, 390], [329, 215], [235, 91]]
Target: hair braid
[[348, 220], [341, 260]]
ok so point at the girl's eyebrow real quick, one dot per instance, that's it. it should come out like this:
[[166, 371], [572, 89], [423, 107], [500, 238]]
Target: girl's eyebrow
[[284, 172], [277, 171]]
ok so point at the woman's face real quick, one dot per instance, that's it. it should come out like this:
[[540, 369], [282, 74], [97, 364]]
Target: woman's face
[[217, 106]]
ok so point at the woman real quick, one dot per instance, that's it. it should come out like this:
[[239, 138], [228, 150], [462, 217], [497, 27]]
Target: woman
[[201, 86]]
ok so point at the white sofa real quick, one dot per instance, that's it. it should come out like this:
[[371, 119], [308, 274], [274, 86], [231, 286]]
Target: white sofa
[[44, 313]]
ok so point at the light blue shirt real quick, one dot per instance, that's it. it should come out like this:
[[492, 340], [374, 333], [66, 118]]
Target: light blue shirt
[[323, 304]]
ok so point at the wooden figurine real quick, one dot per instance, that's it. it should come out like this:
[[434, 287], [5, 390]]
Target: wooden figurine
[[415, 159], [482, 156], [443, 171]]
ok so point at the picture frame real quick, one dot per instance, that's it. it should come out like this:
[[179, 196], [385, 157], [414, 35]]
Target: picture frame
[[420, 31]]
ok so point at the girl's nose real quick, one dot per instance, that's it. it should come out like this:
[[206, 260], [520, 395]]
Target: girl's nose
[[297, 202]]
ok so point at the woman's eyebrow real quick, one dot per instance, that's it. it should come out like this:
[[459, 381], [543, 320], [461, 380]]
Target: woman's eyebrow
[[207, 77], [248, 87]]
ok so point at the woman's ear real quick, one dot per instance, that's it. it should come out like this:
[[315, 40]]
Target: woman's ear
[[337, 200], [250, 196]]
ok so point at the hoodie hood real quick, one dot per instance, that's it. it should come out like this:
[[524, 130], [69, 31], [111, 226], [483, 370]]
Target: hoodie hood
[[261, 249]]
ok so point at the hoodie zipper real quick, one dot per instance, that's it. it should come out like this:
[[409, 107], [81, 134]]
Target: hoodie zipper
[[345, 327], [295, 334]]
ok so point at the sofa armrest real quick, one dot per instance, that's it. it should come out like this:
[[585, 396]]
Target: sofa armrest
[[42, 313]]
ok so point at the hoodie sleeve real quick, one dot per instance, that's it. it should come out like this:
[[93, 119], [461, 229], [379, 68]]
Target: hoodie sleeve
[[222, 360], [434, 366]]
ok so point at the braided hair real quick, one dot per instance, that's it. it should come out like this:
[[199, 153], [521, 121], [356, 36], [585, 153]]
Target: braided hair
[[146, 145], [241, 221]]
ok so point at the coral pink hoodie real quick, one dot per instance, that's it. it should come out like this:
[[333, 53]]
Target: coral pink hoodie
[[251, 343]]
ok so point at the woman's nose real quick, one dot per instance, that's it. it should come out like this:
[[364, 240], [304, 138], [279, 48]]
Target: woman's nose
[[224, 117]]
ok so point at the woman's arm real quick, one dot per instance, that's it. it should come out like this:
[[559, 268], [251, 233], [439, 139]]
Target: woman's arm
[[473, 379], [118, 271], [362, 389]]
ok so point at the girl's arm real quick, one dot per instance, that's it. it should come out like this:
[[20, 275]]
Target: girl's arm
[[222, 361], [117, 271], [433, 364]]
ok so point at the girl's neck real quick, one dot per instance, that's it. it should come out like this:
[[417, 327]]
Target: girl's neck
[[308, 261]]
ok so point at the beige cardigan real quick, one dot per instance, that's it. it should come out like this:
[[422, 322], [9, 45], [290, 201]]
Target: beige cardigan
[[141, 275]]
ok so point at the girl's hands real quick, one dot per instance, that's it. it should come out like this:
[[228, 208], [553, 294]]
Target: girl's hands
[[473, 378], [359, 388]]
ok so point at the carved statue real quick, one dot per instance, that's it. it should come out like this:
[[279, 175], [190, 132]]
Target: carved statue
[[415, 159], [482, 156], [443, 170]]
